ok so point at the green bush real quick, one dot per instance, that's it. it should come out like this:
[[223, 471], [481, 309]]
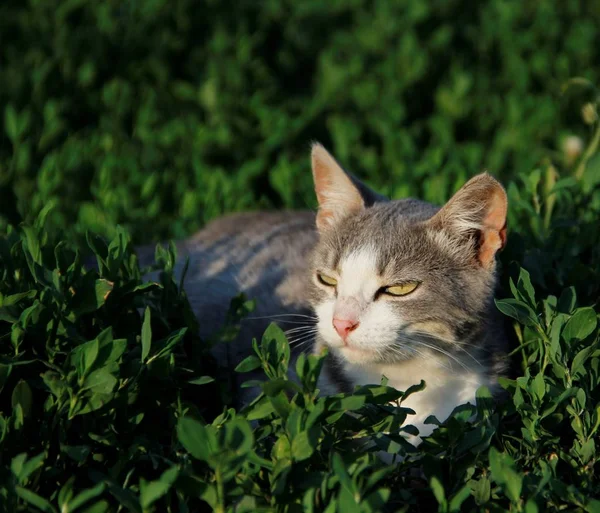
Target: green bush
[[109, 398], [161, 115]]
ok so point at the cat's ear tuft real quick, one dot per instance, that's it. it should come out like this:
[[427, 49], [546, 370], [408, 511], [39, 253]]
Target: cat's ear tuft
[[476, 214], [338, 193]]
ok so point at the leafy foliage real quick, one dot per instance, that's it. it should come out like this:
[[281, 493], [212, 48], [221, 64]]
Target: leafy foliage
[[160, 115], [131, 113]]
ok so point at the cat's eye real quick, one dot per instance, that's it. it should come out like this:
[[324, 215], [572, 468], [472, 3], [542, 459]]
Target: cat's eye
[[401, 289], [326, 280]]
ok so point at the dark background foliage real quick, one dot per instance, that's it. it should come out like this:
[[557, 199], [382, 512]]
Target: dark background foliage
[[139, 121], [160, 115]]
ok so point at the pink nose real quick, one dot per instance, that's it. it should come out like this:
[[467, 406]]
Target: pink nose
[[344, 327]]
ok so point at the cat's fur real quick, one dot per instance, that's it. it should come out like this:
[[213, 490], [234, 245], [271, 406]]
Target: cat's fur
[[446, 332]]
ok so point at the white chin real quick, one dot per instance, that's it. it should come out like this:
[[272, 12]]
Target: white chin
[[357, 356]]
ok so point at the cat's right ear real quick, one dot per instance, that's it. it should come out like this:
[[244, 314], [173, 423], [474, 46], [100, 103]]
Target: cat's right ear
[[476, 215], [339, 194]]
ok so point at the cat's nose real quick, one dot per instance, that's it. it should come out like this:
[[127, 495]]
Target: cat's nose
[[344, 327]]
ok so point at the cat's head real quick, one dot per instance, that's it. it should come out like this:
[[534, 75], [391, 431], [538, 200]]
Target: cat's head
[[397, 279]]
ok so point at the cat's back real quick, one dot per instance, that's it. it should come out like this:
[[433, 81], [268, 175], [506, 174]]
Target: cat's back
[[249, 231], [265, 255]]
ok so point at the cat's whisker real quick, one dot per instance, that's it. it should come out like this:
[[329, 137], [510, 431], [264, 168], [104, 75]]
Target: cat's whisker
[[281, 321], [456, 344], [301, 342], [305, 332], [302, 333], [298, 345], [449, 355], [297, 336], [311, 317], [300, 328], [416, 351], [478, 346], [470, 355]]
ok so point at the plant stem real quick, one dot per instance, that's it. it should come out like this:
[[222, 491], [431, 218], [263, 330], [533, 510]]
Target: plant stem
[[220, 492], [589, 152]]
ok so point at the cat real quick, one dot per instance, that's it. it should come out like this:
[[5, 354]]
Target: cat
[[402, 289]]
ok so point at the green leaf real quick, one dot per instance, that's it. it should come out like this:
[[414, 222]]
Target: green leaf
[[238, 436], [4, 374], [275, 348], [347, 502], [580, 325], [84, 496], [555, 334], [567, 300], [199, 440], [567, 394], [413, 389], [531, 506], [202, 380], [458, 498], [580, 359], [100, 381], [376, 501], [438, 491], [525, 288], [593, 506], [146, 335], [23, 397], [15, 299], [550, 306], [485, 402], [78, 453], [33, 244], [34, 499], [101, 506], [260, 410], [538, 387], [16, 464], [90, 353], [588, 450], [28, 467], [248, 364], [503, 472], [125, 497], [339, 467], [481, 490], [11, 123], [518, 311], [346, 402], [65, 494], [91, 295], [151, 491], [304, 444], [168, 344]]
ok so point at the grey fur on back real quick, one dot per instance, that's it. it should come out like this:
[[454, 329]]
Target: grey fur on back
[[265, 255]]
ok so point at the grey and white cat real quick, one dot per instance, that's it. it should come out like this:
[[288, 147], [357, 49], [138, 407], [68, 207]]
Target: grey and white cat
[[396, 288]]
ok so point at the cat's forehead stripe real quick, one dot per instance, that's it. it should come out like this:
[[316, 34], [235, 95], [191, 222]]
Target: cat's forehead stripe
[[358, 270]]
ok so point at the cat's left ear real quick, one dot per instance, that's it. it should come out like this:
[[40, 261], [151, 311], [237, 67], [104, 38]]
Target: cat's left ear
[[339, 194], [476, 215]]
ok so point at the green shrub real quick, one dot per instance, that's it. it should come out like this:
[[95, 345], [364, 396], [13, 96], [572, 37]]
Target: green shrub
[[160, 115], [108, 397]]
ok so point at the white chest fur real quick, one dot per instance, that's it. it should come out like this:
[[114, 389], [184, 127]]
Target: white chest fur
[[446, 387]]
